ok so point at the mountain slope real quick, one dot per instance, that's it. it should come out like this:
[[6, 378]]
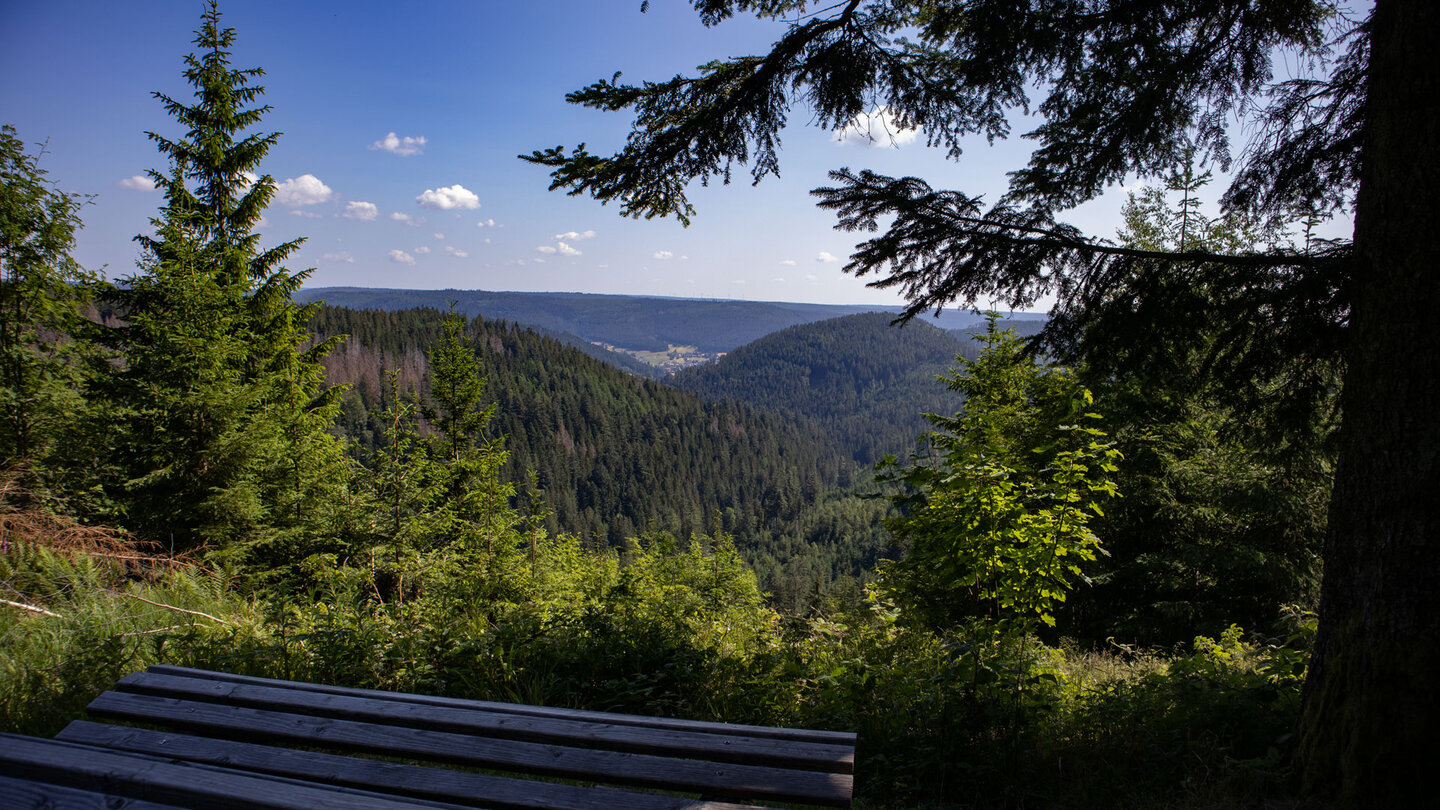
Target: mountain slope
[[866, 382]]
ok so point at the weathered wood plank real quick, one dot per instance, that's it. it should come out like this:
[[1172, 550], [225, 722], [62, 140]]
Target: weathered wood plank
[[387, 777], [24, 794], [699, 726], [709, 779], [201, 787], [585, 734]]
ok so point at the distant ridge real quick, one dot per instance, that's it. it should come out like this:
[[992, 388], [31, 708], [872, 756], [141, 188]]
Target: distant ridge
[[647, 323]]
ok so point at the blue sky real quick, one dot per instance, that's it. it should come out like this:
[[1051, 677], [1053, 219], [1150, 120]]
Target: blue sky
[[479, 82]]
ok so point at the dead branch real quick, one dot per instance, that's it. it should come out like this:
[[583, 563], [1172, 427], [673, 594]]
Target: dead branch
[[32, 608], [172, 607]]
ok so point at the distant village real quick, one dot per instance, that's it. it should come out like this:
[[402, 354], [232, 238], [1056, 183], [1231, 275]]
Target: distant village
[[671, 360]]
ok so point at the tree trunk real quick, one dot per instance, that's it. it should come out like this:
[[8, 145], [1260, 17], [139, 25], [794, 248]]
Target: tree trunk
[[1372, 705]]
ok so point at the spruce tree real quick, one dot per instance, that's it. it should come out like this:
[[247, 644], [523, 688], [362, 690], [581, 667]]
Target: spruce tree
[[42, 294], [1123, 88], [225, 408], [479, 540]]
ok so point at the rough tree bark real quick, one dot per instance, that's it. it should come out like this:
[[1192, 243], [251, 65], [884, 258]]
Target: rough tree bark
[[1372, 703]]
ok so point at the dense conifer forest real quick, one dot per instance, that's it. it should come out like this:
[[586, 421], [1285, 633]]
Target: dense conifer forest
[[615, 456]]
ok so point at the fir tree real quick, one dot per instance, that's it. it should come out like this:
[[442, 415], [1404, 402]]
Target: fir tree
[[225, 409], [1125, 88], [42, 294]]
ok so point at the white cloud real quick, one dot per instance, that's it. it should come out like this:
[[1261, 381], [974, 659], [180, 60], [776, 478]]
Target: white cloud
[[438, 235], [401, 257], [138, 182], [306, 214], [422, 250], [249, 179], [456, 252], [485, 223], [537, 261], [407, 219], [363, 211], [788, 262], [545, 249], [663, 254], [826, 257], [405, 146], [780, 279], [811, 277], [566, 249], [303, 190], [575, 236], [876, 128], [445, 199], [341, 256]]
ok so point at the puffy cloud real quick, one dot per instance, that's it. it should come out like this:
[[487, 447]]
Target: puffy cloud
[[401, 257], [575, 236], [303, 190], [138, 182], [456, 252], [404, 147], [446, 199], [663, 254], [826, 257], [360, 210], [545, 249], [438, 235], [407, 219], [788, 262], [341, 256], [306, 214], [878, 127], [485, 223], [422, 250], [248, 181], [566, 249]]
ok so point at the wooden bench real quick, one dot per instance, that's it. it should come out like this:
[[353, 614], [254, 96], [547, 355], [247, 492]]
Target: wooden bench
[[212, 739]]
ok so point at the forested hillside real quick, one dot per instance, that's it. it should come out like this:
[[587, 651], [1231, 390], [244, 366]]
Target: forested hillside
[[867, 383], [649, 323], [615, 456]]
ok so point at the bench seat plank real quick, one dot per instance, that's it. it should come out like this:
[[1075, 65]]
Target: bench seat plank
[[25, 794], [156, 779], [711, 779], [386, 777], [586, 734], [844, 738]]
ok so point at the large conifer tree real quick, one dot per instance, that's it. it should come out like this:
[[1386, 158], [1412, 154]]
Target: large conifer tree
[[1129, 86], [224, 406]]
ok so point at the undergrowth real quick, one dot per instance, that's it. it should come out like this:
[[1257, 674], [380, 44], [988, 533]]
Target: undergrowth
[[966, 718]]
